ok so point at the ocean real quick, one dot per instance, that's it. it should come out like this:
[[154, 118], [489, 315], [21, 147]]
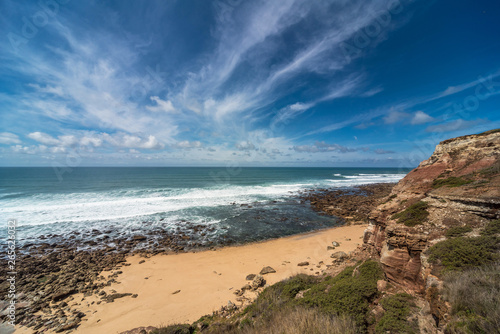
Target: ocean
[[241, 204]]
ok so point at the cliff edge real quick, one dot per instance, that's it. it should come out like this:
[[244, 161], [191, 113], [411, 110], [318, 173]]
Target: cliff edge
[[458, 186]]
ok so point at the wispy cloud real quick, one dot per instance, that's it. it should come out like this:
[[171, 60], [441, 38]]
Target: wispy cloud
[[455, 125]]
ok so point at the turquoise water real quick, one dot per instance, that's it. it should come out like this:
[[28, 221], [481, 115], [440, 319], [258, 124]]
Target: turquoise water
[[45, 201]]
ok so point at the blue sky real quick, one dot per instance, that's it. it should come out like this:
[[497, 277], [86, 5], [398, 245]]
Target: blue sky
[[253, 83]]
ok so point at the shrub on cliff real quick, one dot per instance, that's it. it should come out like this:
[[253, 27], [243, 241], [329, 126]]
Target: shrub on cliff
[[276, 310], [413, 215], [457, 231], [451, 181], [349, 293], [474, 296], [493, 228], [463, 253], [397, 309]]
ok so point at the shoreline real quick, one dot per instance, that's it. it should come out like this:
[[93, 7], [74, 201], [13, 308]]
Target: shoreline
[[68, 288], [206, 279]]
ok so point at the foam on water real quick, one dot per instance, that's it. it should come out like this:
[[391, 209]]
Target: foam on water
[[47, 212]]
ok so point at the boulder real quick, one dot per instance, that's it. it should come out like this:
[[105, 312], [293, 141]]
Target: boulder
[[302, 264], [339, 256], [267, 270], [257, 282], [250, 277]]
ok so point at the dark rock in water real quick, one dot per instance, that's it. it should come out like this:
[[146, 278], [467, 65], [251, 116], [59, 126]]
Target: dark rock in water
[[267, 270], [303, 264], [139, 237], [250, 277]]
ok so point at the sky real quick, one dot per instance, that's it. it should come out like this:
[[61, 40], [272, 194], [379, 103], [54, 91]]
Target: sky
[[340, 83]]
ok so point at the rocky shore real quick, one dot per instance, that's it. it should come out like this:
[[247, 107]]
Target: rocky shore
[[49, 273], [353, 204]]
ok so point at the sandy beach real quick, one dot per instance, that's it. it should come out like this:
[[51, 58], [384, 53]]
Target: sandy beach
[[206, 280]]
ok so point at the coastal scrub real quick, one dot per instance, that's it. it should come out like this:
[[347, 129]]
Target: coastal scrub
[[413, 215]]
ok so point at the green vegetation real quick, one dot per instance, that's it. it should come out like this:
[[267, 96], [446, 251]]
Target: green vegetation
[[463, 253], [279, 295], [475, 299], [393, 196], [458, 231], [397, 309], [489, 132], [174, 329], [493, 228], [491, 171], [451, 181], [414, 215], [276, 310], [349, 293]]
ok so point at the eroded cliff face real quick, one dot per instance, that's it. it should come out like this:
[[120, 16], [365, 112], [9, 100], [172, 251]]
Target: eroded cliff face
[[460, 183]]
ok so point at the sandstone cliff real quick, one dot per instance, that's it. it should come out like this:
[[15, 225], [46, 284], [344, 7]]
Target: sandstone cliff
[[459, 184]]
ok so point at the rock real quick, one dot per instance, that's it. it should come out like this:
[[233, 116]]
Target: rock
[[302, 264], [267, 270], [250, 277], [381, 285], [246, 287], [257, 282], [330, 248], [176, 292], [139, 238], [335, 244], [339, 256], [62, 294], [111, 298], [142, 261]]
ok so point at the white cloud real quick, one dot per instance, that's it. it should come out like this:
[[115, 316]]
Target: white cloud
[[421, 118], [395, 117], [245, 146], [43, 138], [133, 141], [9, 138], [323, 147], [455, 125], [382, 151], [186, 144], [161, 105]]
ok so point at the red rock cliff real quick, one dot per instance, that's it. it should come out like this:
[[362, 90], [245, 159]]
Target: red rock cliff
[[459, 183]]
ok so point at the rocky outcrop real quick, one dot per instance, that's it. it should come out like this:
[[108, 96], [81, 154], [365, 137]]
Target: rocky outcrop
[[460, 183]]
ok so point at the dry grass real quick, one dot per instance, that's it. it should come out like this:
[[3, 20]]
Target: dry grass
[[299, 320], [475, 299]]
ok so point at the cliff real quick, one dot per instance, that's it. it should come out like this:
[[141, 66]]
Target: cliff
[[459, 184]]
